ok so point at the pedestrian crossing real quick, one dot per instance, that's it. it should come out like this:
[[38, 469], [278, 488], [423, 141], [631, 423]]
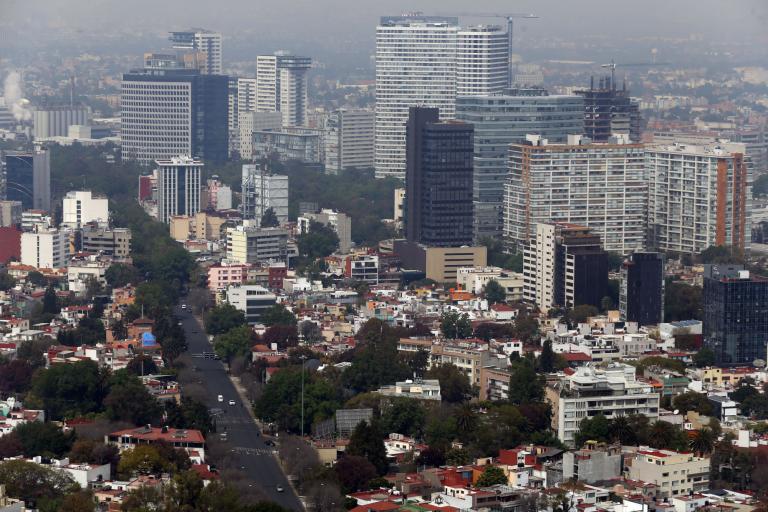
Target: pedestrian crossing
[[252, 451]]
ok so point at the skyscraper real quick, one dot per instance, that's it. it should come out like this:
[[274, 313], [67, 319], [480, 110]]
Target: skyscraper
[[281, 86], [179, 185], [610, 111], [502, 119], [206, 42], [564, 265], [697, 196], [482, 60], [415, 65], [735, 314], [641, 296], [598, 185], [438, 180], [174, 111], [349, 140], [28, 178]]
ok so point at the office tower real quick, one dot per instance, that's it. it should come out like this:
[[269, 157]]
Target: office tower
[[697, 197], [482, 60], [81, 207], [500, 120], [242, 101], [281, 86], [55, 121], [290, 143], [262, 190], [438, 180], [249, 243], [415, 65], [609, 111], [201, 41], [339, 222], [564, 265], [251, 122], [641, 296], [10, 213], [598, 185], [735, 314], [179, 187], [45, 248], [174, 111], [28, 178], [349, 140]]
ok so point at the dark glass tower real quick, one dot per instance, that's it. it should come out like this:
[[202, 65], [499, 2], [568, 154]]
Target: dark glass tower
[[438, 180], [28, 179], [641, 298], [608, 110], [735, 314]]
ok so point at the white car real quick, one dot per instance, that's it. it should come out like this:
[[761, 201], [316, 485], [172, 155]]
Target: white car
[[183, 306], [221, 398], [231, 402]]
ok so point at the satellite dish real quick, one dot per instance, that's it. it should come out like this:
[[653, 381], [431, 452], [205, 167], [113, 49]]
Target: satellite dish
[[758, 363], [676, 411]]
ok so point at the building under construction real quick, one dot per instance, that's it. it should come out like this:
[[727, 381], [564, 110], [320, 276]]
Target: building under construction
[[608, 111]]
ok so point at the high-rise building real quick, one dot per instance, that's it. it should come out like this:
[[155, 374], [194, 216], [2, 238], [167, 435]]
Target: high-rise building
[[641, 295], [10, 213], [175, 111], [248, 243], [482, 60], [697, 197], [262, 190], [438, 180], [601, 186], [252, 122], [349, 140], [502, 119], [55, 121], [45, 248], [179, 186], [206, 42], [735, 314], [281, 86], [28, 178], [81, 207], [564, 265], [242, 101], [415, 65], [610, 111]]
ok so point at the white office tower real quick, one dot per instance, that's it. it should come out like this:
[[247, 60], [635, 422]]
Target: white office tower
[[45, 248], [250, 122], [697, 196], [205, 42], [262, 191], [81, 207], [349, 140], [482, 60], [246, 94], [415, 66], [179, 187], [598, 185], [281, 86], [55, 121], [242, 99]]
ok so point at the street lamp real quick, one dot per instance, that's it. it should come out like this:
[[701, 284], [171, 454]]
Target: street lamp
[[303, 358]]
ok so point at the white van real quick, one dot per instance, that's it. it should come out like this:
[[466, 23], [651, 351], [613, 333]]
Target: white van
[[221, 398]]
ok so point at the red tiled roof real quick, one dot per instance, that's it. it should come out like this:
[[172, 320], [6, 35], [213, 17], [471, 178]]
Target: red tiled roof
[[156, 434], [576, 357]]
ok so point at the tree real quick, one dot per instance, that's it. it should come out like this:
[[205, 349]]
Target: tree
[[269, 219], [466, 420], [318, 242], [46, 439], [68, 390], [404, 416], [431, 457], [692, 401], [720, 254], [277, 315], [367, 441], [141, 365], [597, 428], [120, 274], [743, 391], [682, 302], [89, 451], [354, 473], [756, 406], [526, 328], [235, 342], [375, 360], [582, 313], [704, 357], [606, 303], [6, 281], [494, 292], [547, 357], [492, 475], [455, 326], [119, 330], [702, 441], [50, 301], [143, 459], [661, 435], [36, 278], [15, 376], [620, 430], [128, 400], [223, 318], [310, 331], [29, 481], [285, 336], [454, 383], [525, 386], [80, 501]]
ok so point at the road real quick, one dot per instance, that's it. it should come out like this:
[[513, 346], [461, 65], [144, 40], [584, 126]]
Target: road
[[255, 458]]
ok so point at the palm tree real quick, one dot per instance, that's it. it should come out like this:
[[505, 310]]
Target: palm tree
[[466, 419], [621, 431], [661, 434], [702, 441]]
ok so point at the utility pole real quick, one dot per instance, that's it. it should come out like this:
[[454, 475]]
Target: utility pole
[[303, 358]]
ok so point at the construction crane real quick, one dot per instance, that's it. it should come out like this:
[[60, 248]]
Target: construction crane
[[612, 65], [509, 17]]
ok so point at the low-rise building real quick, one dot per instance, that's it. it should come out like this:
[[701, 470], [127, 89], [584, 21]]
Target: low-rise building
[[115, 242], [428, 389], [593, 464], [223, 274], [249, 243], [363, 267], [189, 440], [673, 473], [251, 299], [340, 222], [45, 248]]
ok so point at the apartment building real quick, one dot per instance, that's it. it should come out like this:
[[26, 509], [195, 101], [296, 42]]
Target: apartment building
[[248, 243], [349, 140], [673, 473], [251, 299], [45, 248], [81, 207], [98, 239]]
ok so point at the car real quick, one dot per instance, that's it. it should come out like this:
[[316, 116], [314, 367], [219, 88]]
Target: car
[[221, 398], [223, 436], [231, 402], [183, 306], [280, 488]]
